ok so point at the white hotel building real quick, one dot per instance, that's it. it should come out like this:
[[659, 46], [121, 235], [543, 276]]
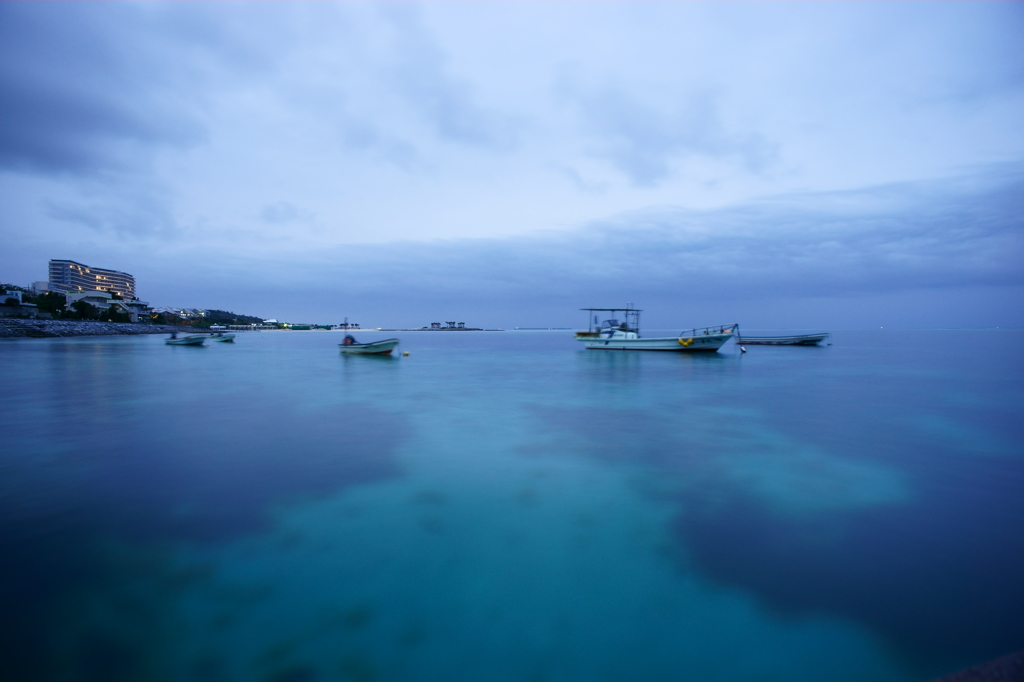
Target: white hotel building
[[69, 276]]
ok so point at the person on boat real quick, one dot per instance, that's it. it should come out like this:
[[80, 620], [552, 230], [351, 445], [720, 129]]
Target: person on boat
[[349, 340], [174, 334]]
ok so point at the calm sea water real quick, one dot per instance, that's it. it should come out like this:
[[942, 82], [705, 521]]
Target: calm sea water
[[506, 506]]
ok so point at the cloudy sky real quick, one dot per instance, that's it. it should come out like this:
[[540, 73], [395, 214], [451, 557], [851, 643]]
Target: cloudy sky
[[780, 165]]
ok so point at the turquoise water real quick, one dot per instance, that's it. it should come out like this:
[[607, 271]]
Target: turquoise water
[[505, 506]]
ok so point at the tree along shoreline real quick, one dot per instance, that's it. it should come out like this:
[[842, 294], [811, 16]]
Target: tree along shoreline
[[17, 328], [25, 303]]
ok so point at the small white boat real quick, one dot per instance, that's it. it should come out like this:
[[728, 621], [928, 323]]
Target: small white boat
[[350, 345], [613, 334], [222, 337], [797, 340], [193, 340]]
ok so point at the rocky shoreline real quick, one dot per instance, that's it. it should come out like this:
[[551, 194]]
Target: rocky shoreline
[[44, 329]]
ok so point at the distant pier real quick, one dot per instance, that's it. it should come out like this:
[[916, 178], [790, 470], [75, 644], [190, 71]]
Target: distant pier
[[437, 327]]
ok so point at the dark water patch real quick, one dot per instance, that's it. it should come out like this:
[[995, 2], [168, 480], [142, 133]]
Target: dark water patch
[[1004, 669], [939, 578], [209, 667], [88, 456], [412, 636], [110, 621], [203, 471], [298, 673], [277, 653], [33, 570], [358, 668], [527, 497], [357, 617], [432, 525], [103, 657], [76, 606], [898, 411]]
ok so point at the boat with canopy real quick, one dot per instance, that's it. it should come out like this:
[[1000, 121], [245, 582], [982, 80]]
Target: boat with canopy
[[624, 334]]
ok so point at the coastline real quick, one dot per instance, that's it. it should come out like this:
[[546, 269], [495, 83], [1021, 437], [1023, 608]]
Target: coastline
[[16, 328]]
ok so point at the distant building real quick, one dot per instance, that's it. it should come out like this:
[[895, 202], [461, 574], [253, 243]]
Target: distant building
[[97, 299], [12, 305], [136, 309], [182, 313], [451, 325], [68, 276], [101, 300]]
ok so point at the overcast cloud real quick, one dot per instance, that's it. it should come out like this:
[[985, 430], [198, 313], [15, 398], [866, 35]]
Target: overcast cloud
[[777, 164]]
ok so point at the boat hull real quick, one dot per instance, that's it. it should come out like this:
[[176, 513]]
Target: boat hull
[[375, 348], [799, 340], [698, 343], [187, 341]]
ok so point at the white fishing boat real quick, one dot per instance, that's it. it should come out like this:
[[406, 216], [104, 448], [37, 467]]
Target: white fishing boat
[[350, 345], [615, 334], [222, 337], [193, 340]]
